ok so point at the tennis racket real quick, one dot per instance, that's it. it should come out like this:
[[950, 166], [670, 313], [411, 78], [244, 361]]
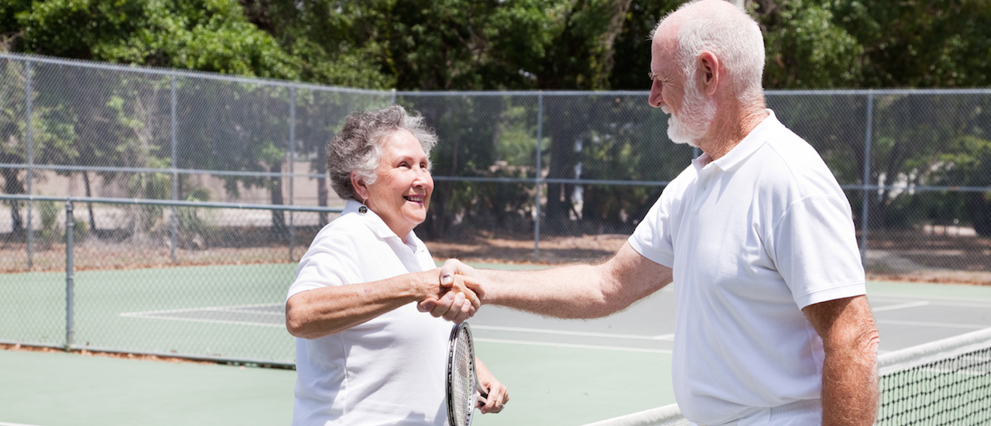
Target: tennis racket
[[463, 390]]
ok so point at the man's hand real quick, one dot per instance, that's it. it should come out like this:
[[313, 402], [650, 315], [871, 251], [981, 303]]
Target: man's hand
[[460, 301]]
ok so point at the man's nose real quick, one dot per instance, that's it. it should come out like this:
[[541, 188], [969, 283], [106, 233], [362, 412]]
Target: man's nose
[[655, 98]]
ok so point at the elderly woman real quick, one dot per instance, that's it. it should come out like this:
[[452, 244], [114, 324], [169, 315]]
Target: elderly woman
[[364, 353]]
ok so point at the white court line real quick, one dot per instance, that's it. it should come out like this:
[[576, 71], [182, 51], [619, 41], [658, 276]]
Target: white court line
[[13, 424], [568, 345], [236, 308], [934, 324], [157, 315], [902, 306], [948, 300], [573, 333], [259, 324]]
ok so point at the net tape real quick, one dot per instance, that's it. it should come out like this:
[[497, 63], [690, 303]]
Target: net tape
[[947, 382]]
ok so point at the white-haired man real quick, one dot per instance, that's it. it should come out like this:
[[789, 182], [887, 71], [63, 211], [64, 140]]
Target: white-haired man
[[772, 326]]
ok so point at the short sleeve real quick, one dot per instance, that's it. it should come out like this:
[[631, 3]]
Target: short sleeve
[[329, 262], [652, 238], [815, 251]]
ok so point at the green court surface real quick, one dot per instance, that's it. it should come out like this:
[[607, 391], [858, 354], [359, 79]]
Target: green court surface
[[51, 389], [548, 385], [560, 372]]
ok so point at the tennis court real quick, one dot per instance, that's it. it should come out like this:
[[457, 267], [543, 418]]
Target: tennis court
[[558, 371]]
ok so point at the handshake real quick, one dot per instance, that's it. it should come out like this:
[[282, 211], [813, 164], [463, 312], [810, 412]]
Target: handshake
[[459, 294]]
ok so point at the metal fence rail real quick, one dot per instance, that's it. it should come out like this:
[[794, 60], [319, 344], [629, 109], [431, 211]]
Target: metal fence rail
[[519, 176]]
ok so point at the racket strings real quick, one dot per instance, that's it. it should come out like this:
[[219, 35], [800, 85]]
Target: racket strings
[[463, 382]]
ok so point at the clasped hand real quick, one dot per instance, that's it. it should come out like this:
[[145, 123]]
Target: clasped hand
[[458, 300]]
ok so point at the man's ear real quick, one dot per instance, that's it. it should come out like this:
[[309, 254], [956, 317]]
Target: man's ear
[[359, 186], [709, 67]]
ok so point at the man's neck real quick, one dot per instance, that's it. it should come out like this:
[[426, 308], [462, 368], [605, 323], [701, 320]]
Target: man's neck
[[728, 130]]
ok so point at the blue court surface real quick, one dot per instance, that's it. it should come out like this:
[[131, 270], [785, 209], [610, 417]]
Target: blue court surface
[[560, 372]]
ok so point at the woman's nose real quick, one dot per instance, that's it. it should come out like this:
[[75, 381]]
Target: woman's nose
[[421, 176]]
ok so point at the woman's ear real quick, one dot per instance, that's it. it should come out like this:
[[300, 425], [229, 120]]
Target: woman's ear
[[359, 186]]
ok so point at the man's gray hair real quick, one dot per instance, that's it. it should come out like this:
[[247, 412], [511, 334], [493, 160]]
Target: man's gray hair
[[733, 36], [357, 148]]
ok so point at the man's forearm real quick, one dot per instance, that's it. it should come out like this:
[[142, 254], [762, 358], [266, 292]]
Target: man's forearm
[[849, 391], [578, 291], [850, 377], [849, 371], [574, 291]]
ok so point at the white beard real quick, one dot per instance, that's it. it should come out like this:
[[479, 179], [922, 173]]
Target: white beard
[[696, 116]]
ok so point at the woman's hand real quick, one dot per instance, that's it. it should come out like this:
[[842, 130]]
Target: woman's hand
[[454, 301], [459, 298], [458, 278], [498, 394]]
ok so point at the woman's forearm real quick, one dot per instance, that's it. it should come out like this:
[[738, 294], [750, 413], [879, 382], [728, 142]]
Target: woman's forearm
[[323, 311]]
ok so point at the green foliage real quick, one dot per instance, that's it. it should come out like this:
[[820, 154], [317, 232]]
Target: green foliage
[[805, 49], [920, 43], [487, 45], [206, 35], [194, 221], [632, 45], [49, 211]]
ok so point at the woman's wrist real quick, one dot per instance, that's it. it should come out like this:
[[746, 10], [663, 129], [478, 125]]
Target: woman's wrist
[[427, 285]]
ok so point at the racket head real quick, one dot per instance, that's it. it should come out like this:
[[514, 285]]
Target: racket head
[[462, 380]]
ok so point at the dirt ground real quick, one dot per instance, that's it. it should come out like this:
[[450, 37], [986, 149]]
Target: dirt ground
[[892, 256], [908, 256]]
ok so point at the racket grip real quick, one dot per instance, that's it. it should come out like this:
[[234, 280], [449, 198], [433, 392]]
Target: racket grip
[[482, 394]]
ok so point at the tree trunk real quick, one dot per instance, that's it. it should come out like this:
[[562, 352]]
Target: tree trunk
[[278, 216], [322, 194], [13, 185], [563, 158], [89, 194], [979, 210]]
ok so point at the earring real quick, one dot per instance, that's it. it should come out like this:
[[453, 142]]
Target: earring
[[362, 209]]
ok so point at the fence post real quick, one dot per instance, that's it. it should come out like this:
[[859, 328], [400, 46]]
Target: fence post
[[69, 276], [292, 165], [175, 174], [864, 215], [538, 178], [29, 137]]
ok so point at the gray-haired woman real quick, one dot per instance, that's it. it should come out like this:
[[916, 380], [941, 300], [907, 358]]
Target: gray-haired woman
[[364, 353]]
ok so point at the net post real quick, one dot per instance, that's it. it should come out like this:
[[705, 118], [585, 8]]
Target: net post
[[69, 276]]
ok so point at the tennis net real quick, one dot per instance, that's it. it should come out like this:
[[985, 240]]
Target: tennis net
[[947, 382]]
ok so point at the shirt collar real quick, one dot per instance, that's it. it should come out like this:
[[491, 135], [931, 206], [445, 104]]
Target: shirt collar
[[754, 140], [377, 225]]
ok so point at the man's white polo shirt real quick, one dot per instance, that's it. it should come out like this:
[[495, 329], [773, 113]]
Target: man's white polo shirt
[[389, 370], [753, 238]]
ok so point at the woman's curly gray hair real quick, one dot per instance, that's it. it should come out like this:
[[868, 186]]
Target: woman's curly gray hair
[[357, 149]]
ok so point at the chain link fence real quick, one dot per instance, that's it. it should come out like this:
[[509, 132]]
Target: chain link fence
[[194, 194]]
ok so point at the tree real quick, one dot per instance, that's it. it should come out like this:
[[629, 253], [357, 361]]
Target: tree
[[336, 42], [52, 131], [205, 35]]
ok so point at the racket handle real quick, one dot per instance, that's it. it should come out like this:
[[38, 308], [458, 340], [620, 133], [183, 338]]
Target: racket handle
[[482, 394]]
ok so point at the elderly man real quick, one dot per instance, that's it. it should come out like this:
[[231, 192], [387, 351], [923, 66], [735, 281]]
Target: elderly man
[[772, 326]]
